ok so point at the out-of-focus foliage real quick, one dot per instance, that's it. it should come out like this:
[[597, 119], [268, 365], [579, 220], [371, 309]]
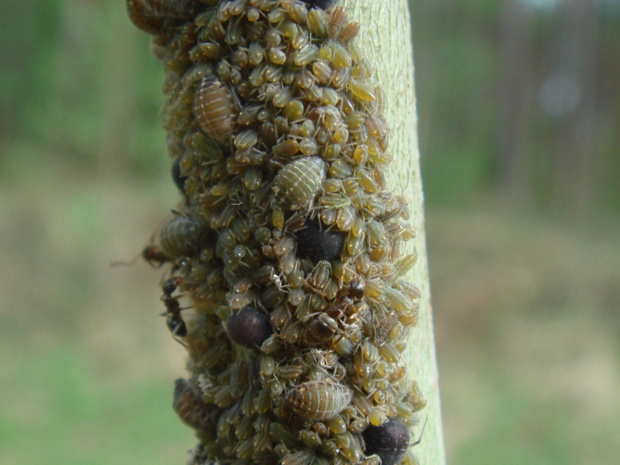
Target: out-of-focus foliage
[[79, 86], [518, 106], [520, 99]]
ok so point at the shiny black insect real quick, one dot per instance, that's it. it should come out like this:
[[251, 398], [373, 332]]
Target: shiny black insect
[[389, 441], [174, 320], [155, 256], [248, 327], [178, 179], [320, 3], [317, 243]]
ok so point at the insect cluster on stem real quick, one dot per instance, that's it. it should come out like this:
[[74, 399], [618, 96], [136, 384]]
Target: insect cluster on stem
[[287, 241]]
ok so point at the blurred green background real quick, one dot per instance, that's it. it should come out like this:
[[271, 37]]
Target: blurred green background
[[519, 108]]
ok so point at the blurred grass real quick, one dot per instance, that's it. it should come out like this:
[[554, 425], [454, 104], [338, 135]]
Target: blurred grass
[[56, 410], [87, 365], [526, 307], [526, 314]]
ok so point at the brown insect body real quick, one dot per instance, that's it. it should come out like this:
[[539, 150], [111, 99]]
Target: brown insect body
[[248, 327], [214, 108], [189, 406], [143, 18], [389, 441], [173, 9], [182, 236], [319, 400]]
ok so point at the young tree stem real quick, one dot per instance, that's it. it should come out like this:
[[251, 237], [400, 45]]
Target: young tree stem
[[386, 39]]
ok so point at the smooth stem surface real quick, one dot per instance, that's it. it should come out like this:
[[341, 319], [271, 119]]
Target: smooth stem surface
[[385, 38]]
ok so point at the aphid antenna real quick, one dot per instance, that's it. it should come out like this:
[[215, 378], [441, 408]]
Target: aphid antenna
[[131, 262], [419, 440]]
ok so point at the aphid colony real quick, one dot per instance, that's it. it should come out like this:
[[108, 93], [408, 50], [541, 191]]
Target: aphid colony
[[287, 241]]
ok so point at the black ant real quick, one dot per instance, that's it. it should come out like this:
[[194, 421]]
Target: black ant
[[174, 320]]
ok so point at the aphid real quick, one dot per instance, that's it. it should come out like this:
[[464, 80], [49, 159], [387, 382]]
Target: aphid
[[319, 277], [172, 9], [319, 400], [189, 405], [324, 4], [356, 288], [301, 457], [174, 320], [248, 327], [319, 330], [143, 18], [214, 108], [182, 236], [177, 177], [299, 181], [319, 243], [390, 441], [289, 372], [348, 32]]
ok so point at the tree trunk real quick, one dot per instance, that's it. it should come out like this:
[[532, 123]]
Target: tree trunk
[[386, 39]]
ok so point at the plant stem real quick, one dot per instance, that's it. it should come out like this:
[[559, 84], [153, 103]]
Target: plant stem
[[386, 41]]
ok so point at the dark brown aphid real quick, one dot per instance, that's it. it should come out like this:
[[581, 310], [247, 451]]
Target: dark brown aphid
[[143, 18], [319, 400], [317, 243], [248, 327], [173, 9], [189, 406], [318, 331], [174, 320], [390, 441], [177, 177], [155, 256], [214, 108], [182, 236], [356, 288], [320, 3]]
